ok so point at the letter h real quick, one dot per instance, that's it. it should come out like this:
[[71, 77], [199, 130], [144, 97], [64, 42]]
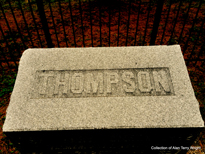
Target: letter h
[[59, 81]]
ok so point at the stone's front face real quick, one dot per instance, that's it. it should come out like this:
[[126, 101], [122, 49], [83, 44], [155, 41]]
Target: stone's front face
[[102, 83], [108, 87]]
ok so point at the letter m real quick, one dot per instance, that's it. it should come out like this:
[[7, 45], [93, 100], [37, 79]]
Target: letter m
[[93, 84]]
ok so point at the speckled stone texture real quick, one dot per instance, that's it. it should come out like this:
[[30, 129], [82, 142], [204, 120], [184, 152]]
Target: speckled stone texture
[[102, 87]]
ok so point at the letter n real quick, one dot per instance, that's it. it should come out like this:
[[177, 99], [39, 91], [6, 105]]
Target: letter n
[[160, 80]]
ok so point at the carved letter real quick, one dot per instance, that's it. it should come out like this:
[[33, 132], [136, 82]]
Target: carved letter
[[63, 82], [112, 77], [43, 87], [144, 81], [98, 81], [77, 83], [160, 78], [127, 76]]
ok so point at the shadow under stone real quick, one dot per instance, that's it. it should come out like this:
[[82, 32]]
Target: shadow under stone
[[147, 140]]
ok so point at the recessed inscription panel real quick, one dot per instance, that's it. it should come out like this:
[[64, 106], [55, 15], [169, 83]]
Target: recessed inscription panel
[[102, 83]]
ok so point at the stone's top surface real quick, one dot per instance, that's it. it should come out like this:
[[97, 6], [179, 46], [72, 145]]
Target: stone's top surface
[[102, 87]]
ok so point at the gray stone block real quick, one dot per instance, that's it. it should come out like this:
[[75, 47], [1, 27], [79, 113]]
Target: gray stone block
[[69, 90], [109, 87]]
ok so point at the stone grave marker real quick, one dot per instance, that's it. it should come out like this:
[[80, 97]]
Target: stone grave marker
[[96, 88]]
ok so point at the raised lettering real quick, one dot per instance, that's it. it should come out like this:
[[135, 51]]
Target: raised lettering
[[127, 76], [112, 78], [144, 81], [44, 82], [95, 83], [77, 83], [160, 80], [102, 83], [61, 81]]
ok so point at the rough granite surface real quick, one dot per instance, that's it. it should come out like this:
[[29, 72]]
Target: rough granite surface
[[30, 110]]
